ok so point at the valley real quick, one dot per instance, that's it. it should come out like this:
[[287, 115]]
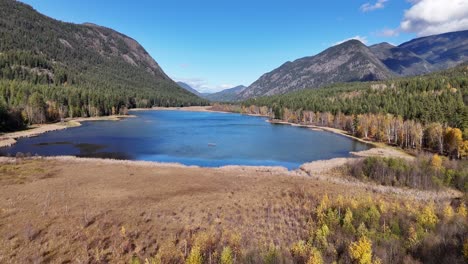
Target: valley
[[130, 139]]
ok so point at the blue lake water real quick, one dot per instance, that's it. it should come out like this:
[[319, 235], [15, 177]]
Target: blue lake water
[[192, 138]]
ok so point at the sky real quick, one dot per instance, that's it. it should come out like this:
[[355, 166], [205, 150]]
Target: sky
[[218, 44]]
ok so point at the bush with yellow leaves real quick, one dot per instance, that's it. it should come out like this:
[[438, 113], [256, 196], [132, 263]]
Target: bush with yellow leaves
[[315, 256], [361, 250], [195, 256], [428, 218], [226, 256]]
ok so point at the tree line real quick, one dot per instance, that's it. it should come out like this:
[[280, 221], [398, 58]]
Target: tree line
[[426, 112], [51, 70], [438, 97], [386, 128]]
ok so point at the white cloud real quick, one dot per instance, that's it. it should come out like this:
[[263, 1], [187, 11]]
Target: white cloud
[[225, 86], [367, 7], [202, 85], [428, 17], [360, 38]]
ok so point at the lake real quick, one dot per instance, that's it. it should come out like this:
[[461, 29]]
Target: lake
[[192, 138]]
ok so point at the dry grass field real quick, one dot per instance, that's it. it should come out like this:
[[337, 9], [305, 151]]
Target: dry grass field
[[91, 211]]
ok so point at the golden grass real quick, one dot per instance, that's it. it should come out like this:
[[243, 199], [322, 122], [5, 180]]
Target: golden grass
[[92, 210]]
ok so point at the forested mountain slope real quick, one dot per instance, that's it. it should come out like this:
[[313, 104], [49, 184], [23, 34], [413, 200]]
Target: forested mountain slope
[[441, 51], [226, 95], [189, 88], [436, 97], [346, 62], [81, 70], [353, 61], [423, 112]]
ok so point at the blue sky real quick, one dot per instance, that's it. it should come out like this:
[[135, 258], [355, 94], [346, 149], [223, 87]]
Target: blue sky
[[214, 45]]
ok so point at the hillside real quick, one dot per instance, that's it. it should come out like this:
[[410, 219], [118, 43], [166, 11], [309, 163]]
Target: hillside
[[436, 97], [415, 113], [103, 70], [189, 88], [346, 62], [353, 61], [226, 95], [401, 61], [442, 51]]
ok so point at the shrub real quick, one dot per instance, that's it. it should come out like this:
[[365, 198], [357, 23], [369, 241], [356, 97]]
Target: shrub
[[226, 256], [427, 218], [361, 251], [170, 254], [461, 211], [315, 257], [195, 256], [348, 222], [423, 173], [272, 255], [300, 251]]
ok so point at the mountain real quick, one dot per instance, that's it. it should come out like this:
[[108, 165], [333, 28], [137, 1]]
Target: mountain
[[347, 62], [424, 55], [353, 61], [443, 51], [227, 95], [189, 88], [103, 70], [401, 61]]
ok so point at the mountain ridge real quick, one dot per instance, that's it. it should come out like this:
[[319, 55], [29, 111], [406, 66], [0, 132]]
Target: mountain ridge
[[81, 69], [89, 54], [226, 95], [353, 61], [345, 62]]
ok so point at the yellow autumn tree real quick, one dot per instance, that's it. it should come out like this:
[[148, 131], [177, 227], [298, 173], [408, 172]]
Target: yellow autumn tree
[[448, 212], [300, 251], [427, 218], [412, 239], [321, 235], [315, 257], [195, 256], [226, 256], [454, 141], [348, 221], [436, 162], [361, 250], [461, 210], [322, 208], [464, 149]]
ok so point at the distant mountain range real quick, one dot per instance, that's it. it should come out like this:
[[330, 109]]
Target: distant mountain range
[[353, 61], [226, 95], [189, 88]]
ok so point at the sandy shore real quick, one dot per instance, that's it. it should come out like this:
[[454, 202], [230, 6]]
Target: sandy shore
[[8, 139]]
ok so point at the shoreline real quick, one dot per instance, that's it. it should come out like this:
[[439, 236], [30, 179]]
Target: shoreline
[[381, 150], [378, 149], [184, 109], [320, 170], [8, 139]]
